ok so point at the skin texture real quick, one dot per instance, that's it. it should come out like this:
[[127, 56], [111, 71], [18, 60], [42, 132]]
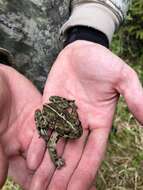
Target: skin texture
[[94, 77], [17, 128]]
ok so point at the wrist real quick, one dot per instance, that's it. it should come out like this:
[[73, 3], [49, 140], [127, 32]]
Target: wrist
[[87, 34]]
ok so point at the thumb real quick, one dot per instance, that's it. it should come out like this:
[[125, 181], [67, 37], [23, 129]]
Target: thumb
[[3, 166], [130, 87]]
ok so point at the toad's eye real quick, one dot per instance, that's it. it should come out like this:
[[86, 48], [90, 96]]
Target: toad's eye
[[37, 113]]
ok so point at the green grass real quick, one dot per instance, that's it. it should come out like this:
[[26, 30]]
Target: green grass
[[10, 185], [122, 168]]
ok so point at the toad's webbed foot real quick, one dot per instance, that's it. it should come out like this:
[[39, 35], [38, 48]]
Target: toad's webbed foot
[[60, 163]]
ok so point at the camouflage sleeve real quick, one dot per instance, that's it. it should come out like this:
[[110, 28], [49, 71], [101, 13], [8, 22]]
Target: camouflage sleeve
[[29, 29], [103, 15]]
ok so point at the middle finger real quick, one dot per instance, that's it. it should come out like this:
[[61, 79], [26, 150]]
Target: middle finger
[[45, 171], [72, 155]]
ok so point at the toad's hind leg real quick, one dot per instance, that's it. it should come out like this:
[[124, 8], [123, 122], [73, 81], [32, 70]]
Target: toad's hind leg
[[58, 162]]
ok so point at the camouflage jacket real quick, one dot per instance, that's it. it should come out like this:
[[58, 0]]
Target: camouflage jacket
[[30, 30]]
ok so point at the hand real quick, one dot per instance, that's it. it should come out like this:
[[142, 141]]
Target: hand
[[94, 77], [19, 98]]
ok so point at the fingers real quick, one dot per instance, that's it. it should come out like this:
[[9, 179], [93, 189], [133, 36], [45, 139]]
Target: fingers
[[3, 166], [42, 175], [35, 152], [46, 170], [72, 155], [130, 87], [19, 172], [93, 153]]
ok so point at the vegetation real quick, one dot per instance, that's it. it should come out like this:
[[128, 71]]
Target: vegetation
[[10, 185], [122, 168]]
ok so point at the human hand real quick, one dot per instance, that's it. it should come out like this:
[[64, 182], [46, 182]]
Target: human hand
[[94, 77], [21, 150]]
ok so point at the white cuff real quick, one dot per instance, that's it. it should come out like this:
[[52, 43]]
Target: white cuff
[[93, 15]]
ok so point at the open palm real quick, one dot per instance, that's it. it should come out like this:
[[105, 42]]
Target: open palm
[[94, 77]]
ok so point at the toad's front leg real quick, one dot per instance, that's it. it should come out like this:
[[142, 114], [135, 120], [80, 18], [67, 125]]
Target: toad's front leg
[[51, 145], [41, 125]]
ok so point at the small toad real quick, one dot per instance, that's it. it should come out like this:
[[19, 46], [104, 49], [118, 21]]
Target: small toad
[[60, 115]]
